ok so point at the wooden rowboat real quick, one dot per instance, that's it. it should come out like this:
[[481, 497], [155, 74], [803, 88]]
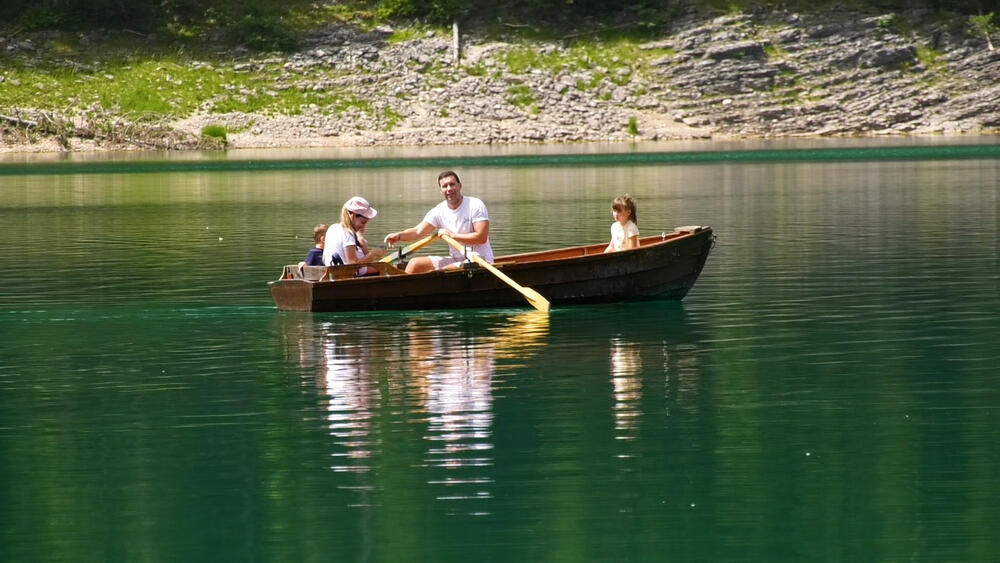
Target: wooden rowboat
[[664, 266]]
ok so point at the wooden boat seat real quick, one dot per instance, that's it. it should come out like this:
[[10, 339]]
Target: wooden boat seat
[[350, 271]]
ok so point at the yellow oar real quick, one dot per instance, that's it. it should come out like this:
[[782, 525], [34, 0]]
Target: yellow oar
[[534, 298], [403, 252]]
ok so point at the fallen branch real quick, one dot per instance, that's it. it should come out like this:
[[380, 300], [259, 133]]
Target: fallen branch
[[18, 122], [144, 131]]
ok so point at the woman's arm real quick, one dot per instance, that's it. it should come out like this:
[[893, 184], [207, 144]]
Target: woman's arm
[[354, 257], [350, 254], [372, 255]]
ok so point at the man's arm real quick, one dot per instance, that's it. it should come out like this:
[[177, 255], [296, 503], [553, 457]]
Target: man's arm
[[480, 234], [413, 233]]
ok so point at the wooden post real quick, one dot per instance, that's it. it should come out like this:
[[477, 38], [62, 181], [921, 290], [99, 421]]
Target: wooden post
[[456, 43]]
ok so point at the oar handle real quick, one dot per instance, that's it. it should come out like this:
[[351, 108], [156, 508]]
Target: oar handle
[[403, 252]]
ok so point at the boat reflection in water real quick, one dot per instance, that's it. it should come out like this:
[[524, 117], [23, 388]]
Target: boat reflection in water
[[626, 381], [438, 371], [655, 372], [663, 373], [350, 395], [419, 391]]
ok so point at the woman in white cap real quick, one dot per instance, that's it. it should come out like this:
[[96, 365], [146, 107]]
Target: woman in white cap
[[345, 241]]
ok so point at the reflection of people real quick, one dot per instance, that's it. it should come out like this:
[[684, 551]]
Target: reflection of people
[[350, 396], [624, 232], [459, 395], [440, 374], [465, 218], [625, 359], [626, 369], [315, 255], [345, 241]]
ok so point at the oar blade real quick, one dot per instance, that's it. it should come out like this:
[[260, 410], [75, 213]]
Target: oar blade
[[535, 299]]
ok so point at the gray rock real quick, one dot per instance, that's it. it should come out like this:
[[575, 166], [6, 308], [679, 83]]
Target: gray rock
[[736, 50]]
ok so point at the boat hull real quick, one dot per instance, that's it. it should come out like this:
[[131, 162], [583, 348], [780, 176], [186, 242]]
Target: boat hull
[[663, 267]]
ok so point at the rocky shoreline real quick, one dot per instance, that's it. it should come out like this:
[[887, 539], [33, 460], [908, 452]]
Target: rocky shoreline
[[765, 75]]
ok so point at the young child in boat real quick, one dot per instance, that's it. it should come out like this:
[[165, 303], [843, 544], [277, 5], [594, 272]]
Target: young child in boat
[[624, 232], [315, 255]]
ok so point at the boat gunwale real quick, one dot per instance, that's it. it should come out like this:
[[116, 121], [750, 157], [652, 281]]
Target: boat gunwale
[[645, 243], [564, 276], [515, 261]]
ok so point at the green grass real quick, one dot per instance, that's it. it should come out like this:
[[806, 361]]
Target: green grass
[[929, 57], [580, 55], [215, 132], [392, 118], [345, 11], [520, 96], [774, 52], [139, 99], [151, 86], [410, 33], [733, 7], [475, 70], [616, 61], [522, 60], [723, 6], [162, 86]]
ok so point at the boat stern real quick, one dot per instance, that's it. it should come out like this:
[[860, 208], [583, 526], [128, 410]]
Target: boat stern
[[292, 294]]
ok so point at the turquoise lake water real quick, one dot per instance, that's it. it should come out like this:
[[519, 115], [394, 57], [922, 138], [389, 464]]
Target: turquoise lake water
[[827, 391]]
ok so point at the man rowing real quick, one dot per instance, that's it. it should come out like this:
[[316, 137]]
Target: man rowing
[[464, 218]]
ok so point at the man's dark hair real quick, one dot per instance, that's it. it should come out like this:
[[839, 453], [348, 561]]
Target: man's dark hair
[[447, 173]]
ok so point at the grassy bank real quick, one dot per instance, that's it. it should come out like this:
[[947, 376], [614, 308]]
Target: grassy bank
[[128, 87], [122, 86]]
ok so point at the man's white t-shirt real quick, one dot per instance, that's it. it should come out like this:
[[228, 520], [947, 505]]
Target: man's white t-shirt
[[471, 210]]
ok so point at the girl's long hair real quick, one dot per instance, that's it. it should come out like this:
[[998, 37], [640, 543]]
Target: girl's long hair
[[624, 202], [348, 225]]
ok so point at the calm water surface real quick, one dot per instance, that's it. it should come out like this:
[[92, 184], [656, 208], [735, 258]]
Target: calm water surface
[[828, 391]]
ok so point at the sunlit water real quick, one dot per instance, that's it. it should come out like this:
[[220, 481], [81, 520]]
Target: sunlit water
[[828, 390]]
